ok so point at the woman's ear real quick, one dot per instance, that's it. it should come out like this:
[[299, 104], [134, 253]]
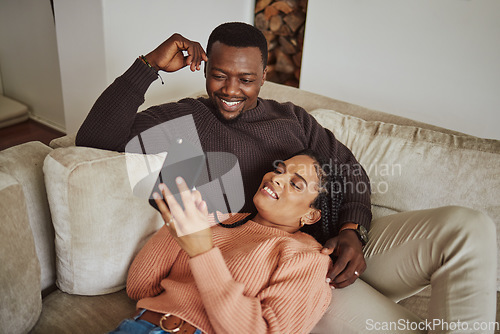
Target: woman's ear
[[311, 217]]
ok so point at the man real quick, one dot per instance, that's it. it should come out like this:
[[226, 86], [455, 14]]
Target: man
[[234, 119]]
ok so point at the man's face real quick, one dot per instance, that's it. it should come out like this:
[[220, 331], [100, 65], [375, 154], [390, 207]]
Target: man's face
[[233, 79]]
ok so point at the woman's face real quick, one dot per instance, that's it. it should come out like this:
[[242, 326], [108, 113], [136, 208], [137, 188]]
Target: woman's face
[[285, 194]]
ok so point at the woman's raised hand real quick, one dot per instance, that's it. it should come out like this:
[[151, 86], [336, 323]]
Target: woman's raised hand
[[189, 227], [169, 56]]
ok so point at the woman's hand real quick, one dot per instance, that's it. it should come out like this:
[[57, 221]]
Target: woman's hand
[[189, 227]]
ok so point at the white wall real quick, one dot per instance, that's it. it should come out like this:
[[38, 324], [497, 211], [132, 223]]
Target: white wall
[[432, 61], [80, 41], [99, 39], [29, 60]]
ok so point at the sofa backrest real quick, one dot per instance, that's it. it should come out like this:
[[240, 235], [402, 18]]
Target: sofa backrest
[[311, 101]]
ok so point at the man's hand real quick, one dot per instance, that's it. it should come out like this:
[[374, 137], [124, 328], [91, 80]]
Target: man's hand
[[169, 56], [350, 261]]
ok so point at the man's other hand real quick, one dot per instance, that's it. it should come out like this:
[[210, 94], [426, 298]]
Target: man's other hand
[[350, 262], [175, 53]]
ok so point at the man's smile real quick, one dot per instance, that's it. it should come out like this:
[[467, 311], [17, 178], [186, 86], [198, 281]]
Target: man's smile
[[230, 108], [231, 103]]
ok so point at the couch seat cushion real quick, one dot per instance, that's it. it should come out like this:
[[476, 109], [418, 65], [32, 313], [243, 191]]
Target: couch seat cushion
[[63, 313]]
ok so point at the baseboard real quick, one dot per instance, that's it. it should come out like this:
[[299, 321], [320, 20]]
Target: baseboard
[[47, 122]]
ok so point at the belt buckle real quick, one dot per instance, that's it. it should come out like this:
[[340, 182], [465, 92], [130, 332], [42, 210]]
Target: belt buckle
[[174, 330]]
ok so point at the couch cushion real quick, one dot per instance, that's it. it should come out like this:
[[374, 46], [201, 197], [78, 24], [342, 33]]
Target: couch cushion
[[20, 271], [24, 163], [100, 225], [411, 168], [70, 314]]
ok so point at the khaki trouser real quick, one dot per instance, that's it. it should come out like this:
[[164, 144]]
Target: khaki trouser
[[451, 248]]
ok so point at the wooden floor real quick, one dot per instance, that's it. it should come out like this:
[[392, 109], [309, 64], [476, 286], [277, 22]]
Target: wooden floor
[[25, 132]]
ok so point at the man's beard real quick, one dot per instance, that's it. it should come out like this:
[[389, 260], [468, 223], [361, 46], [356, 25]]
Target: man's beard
[[225, 120], [219, 116]]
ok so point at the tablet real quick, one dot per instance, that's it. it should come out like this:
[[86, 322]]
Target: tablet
[[182, 160]]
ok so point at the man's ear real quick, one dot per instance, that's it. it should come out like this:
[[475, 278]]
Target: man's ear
[[205, 69], [311, 217], [264, 76]]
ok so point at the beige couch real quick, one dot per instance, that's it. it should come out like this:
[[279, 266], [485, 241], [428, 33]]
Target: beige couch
[[69, 218]]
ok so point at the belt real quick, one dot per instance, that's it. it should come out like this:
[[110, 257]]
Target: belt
[[168, 322]]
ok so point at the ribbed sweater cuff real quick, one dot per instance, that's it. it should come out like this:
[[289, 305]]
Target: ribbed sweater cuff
[[141, 75], [358, 214], [210, 271]]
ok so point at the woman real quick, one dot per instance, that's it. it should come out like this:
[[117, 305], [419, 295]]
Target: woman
[[261, 275]]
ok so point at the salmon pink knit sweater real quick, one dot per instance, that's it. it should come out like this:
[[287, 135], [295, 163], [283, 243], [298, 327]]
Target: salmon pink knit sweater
[[257, 279]]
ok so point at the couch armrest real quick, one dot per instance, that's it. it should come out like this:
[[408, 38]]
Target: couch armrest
[[64, 141], [24, 163], [20, 269]]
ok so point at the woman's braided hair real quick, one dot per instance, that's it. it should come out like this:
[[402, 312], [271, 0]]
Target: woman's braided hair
[[328, 200]]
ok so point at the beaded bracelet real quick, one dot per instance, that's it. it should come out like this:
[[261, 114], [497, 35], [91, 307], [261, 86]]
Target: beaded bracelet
[[144, 60]]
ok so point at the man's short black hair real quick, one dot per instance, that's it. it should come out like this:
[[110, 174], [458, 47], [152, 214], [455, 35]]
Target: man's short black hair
[[240, 35]]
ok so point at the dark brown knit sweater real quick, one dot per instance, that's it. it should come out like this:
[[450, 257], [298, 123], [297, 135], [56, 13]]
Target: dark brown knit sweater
[[269, 132]]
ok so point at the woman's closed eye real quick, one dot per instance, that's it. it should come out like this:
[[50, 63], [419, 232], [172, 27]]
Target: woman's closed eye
[[279, 170], [297, 184]]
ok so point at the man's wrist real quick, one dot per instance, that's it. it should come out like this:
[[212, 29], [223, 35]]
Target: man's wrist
[[360, 231], [148, 61], [348, 226], [352, 235]]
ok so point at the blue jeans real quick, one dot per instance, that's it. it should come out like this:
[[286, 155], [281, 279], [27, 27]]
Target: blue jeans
[[137, 326]]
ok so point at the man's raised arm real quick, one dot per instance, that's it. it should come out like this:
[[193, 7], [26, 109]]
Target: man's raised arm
[[113, 119]]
